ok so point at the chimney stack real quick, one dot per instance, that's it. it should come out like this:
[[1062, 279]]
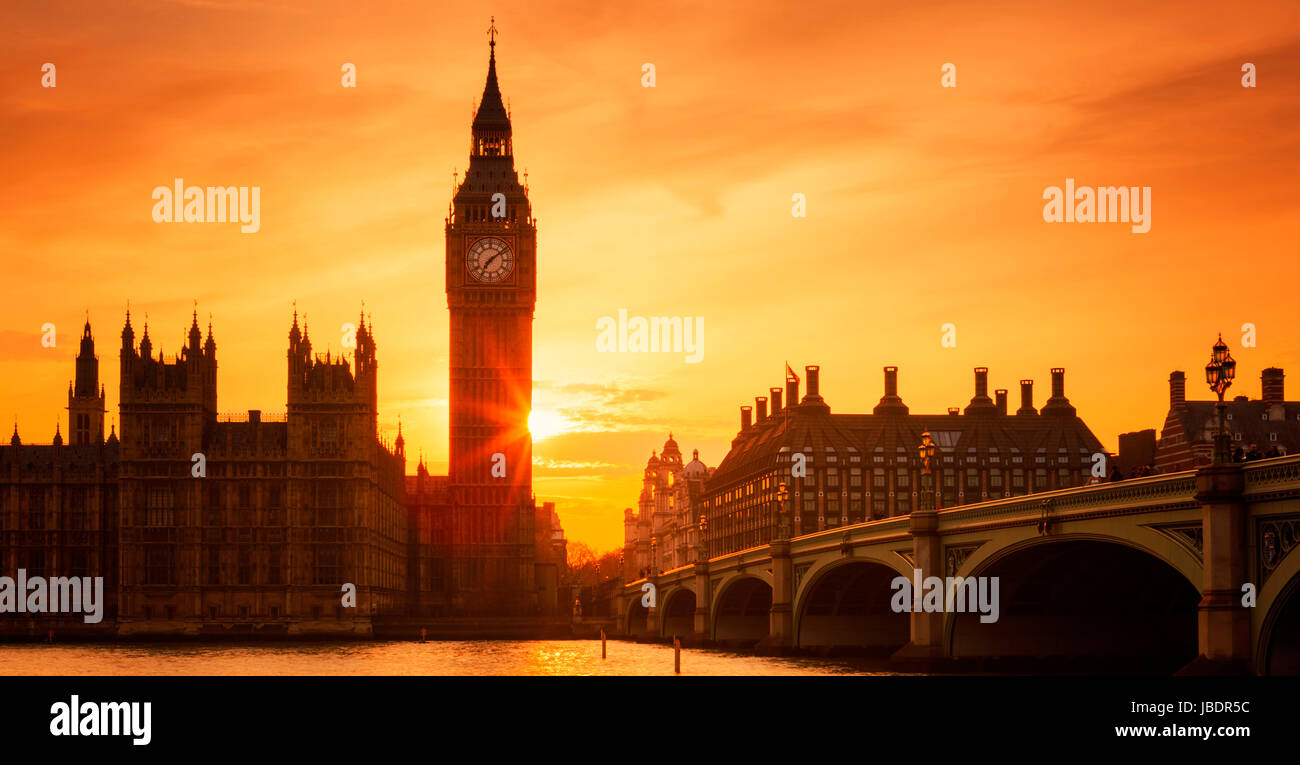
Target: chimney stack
[[1000, 395], [791, 391], [745, 413], [981, 402], [776, 399], [1270, 381], [760, 406], [812, 371], [890, 403], [1177, 390], [1058, 403], [1026, 398]]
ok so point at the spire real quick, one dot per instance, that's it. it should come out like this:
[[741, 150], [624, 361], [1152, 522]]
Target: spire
[[210, 345], [492, 122], [15, 440], [196, 336], [58, 437], [112, 435], [128, 334], [146, 347]]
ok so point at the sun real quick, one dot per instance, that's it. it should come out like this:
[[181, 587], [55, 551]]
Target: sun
[[544, 423]]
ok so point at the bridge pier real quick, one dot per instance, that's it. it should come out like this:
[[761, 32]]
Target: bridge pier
[[780, 632], [925, 649], [703, 602], [652, 613], [1223, 623]]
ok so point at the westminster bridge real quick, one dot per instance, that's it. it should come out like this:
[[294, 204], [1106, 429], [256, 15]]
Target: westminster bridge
[[1198, 565]]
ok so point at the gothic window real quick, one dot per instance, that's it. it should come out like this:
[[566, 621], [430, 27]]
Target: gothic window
[[327, 567], [212, 572], [162, 510], [159, 565]]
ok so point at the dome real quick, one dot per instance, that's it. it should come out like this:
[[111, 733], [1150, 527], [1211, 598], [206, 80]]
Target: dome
[[695, 468], [670, 451]]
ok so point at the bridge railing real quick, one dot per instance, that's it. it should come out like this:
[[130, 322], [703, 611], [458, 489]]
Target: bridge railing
[[1154, 493]]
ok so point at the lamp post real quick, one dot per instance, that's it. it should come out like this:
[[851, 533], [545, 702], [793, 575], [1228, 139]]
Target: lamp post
[[1219, 374], [654, 547], [926, 452], [783, 497], [704, 537], [622, 571]]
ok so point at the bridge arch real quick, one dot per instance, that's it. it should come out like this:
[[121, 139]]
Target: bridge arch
[[636, 621], [1082, 597], [742, 609], [1278, 647], [678, 612], [845, 603]]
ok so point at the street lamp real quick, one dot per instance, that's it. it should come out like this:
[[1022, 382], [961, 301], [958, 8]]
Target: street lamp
[[1219, 374], [704, 536], [654, 546], [925, 450], [782, 497]]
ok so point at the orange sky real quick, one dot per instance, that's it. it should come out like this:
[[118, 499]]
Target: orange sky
[[924, 204]]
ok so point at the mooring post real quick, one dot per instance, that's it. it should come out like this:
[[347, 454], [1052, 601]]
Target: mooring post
[[602, 644], [677, 656]]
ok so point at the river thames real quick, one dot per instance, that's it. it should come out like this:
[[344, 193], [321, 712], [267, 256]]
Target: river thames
[[484, 657]]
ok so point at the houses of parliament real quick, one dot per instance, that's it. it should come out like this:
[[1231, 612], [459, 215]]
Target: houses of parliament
[[203, 524]]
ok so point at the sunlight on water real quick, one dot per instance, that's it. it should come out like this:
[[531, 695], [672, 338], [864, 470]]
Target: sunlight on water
[[531, 657]]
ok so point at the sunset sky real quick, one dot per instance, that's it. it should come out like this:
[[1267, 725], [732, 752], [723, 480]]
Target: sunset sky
[[924, 203]]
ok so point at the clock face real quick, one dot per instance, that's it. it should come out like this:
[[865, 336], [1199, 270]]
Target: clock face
[[489, 259]]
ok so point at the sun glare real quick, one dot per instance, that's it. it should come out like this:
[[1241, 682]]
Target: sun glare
[[543, 424]]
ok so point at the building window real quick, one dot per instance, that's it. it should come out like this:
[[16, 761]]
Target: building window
[[878, 478], [878, 508], [902, 479], [273, 566], [213, 573], [1018, 480], [904, 502], [245, 557], [855, 478], [995, 478], [972, 478], [328, 564], [36, 508], [832, 478], [159, 565]]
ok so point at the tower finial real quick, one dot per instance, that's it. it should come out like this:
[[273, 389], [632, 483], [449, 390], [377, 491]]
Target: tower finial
[[492, 33]]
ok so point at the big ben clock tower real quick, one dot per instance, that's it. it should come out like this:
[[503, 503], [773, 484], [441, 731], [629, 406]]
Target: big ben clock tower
[[491, 291]]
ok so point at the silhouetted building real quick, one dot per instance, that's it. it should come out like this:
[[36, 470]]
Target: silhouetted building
[[668, 513], [1270, 424], [1137, 451], [862, 467]]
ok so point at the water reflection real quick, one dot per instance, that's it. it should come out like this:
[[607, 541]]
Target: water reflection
[[505, 657]]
